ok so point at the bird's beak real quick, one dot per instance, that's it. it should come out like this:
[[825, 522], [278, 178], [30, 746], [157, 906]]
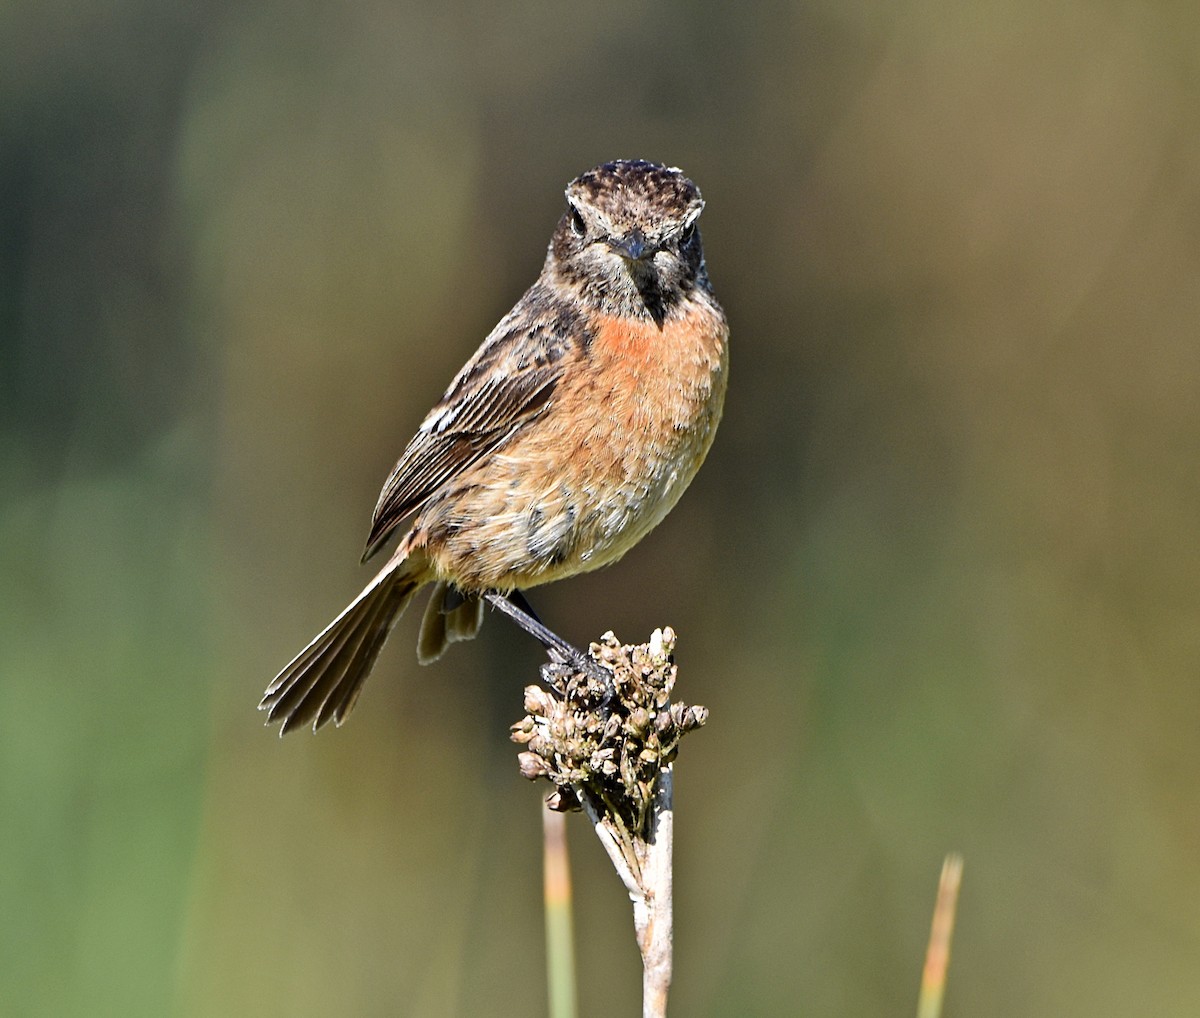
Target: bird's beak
[[633, 246]]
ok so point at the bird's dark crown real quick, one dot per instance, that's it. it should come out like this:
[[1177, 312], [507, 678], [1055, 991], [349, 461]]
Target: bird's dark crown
[[629, 193]]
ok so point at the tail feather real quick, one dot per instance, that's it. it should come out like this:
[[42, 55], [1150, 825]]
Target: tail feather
[[323, 661], [323, 681], [309, 699], [343, 694]]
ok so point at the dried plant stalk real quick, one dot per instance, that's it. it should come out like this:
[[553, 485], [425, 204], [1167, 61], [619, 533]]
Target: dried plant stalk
[[937, 955], [606, 741], [560, 937]]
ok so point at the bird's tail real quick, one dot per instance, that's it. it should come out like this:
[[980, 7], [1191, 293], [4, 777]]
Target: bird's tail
[[323, 681]]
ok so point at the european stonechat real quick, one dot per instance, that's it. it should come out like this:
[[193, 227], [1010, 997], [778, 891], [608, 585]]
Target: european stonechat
[[564, 440]]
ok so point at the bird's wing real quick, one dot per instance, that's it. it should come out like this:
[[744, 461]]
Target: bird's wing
[[506, 384]]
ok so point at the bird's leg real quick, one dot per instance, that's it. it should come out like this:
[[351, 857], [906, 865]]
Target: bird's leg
[[518, 598], [518, 609]]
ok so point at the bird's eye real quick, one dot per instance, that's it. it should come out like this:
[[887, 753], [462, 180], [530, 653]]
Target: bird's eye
[[578, 226], [689, 232]]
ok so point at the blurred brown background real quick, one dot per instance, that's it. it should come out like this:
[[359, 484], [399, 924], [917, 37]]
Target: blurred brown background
[[938, 581]]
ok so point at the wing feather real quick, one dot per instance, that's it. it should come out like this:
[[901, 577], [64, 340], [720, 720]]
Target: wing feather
[[506, 384]]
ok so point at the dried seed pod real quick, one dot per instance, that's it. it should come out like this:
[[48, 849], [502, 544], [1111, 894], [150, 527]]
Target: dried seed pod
[[606, 742], [532, 766]]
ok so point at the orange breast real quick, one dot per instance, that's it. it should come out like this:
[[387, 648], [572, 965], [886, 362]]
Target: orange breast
[[620, 439]]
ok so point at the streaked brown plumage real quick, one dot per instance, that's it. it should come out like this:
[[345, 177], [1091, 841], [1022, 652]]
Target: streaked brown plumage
[[570, 433]]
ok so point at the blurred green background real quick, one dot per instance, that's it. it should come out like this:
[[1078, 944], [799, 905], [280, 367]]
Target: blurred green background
[[938, 582]]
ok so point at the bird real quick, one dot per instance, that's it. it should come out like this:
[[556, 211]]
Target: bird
[[570, 433]]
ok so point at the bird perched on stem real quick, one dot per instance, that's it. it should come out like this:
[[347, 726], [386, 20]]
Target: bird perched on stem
[[567, 437]]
